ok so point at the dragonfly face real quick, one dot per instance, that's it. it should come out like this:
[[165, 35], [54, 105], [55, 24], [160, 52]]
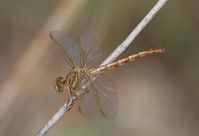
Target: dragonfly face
[[60, 85]]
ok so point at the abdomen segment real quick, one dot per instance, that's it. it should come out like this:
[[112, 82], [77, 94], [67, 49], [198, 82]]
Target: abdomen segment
[[126, 60]]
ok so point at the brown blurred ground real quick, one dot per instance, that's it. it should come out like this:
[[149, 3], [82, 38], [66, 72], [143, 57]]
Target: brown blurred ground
[[157, 95]]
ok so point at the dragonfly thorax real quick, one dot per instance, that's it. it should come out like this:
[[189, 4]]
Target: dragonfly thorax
[[72, 81], [75, 77]]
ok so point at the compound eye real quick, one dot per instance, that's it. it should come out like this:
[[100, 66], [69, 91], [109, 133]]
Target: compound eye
[[60, 85]]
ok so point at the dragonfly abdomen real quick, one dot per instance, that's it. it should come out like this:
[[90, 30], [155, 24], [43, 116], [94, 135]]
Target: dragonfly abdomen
[[126, 60], [111, 66]]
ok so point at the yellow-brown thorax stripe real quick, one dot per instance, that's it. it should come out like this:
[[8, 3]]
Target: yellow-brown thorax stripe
[[126, 60], [72, 80]]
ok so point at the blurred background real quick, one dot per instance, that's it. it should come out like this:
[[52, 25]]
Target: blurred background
[[158, 95]]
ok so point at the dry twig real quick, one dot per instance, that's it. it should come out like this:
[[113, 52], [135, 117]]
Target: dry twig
[[69, 103]]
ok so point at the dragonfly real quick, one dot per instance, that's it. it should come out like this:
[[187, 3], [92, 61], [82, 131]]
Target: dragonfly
[[99, 94]]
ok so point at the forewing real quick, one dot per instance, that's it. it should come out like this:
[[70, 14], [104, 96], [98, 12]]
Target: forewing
[[69, 48], [93, 52]]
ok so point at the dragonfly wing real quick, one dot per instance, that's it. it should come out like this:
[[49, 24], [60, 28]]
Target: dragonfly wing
[[93, 52], [107, 96], [87, 104], [100, 95], [69, 48]]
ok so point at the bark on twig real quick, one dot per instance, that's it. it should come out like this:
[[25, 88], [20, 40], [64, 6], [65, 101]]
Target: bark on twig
[[56, 117], [69, 103]]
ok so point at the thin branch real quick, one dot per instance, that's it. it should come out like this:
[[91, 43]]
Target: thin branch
[[69, 103], [57, 116], [122, 47]]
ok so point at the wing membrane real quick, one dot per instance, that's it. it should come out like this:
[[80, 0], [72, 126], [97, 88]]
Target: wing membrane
[[105, 95], [70, 49], [87, 104], [93, 52]]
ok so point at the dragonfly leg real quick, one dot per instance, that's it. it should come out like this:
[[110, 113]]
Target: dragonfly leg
[[69, 92], [78, 80]]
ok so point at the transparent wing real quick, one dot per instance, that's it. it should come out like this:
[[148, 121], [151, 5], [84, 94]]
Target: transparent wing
[[87, 104], [105, 95], [93, 52], [70, 49]]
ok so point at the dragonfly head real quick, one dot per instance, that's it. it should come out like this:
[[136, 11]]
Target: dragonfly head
[[60, 85]]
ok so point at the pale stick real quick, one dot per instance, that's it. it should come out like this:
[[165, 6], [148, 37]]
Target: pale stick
[[135, 32], [69, 103], [66, 107]]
